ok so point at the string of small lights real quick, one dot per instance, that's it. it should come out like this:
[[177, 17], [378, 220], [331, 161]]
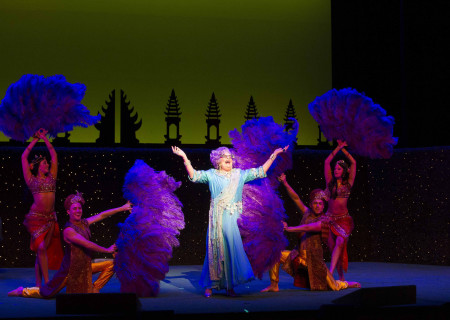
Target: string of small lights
[[400, 206]]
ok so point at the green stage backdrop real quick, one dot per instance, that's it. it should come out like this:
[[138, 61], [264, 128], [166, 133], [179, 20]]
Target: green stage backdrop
[[271, 50]]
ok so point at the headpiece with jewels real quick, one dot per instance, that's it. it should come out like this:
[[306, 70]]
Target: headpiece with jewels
[[37, 159], [318, 194], [77, 198], [73, 198]]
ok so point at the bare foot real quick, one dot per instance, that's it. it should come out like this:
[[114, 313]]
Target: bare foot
[[16, 293], [271, 288], [208, 293], [352, 284]]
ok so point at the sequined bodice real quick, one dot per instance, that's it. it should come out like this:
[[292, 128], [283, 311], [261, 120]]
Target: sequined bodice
[[37, 185], [343, 191]]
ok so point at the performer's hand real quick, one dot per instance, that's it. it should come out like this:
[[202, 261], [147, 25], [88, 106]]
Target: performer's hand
[[179, 152], [127, 207], [282, 178], [285, 225], [341, 144], [112, 249], [279, 150], [36, 135], [42, 133]]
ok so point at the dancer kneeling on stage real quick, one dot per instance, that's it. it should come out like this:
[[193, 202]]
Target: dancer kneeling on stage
[[306, 263], [76, 269]]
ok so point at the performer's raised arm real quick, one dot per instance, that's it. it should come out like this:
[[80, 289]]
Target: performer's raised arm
[[42, 134], [25, 164], [107, 213], [327, 168], [292, 194], [352, 169], [269, 162], [190, 170]]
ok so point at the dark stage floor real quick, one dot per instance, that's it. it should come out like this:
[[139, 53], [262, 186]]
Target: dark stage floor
[[181, 296]]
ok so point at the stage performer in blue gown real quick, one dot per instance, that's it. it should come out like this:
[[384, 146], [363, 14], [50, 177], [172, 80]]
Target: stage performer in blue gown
[[226, 264]]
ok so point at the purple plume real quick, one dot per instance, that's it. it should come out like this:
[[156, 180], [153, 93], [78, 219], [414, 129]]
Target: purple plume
[[36, 102], [150, 232], [349, 115], [260, 223]]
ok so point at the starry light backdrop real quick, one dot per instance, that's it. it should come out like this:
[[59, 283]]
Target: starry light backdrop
[[400, 206]]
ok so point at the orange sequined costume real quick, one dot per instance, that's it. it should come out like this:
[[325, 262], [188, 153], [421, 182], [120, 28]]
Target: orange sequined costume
[[38, 224], [341, 225], [76, 270], [306, 264]]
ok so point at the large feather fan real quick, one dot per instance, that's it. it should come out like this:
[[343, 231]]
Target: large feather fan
[[36, 102], [349, 115], [150, 232], [260, 224]]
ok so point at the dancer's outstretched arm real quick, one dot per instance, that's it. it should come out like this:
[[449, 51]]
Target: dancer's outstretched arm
[[271, 159], [104, 214], [292, 194], [311, 227], [71, 236], [190, 170]]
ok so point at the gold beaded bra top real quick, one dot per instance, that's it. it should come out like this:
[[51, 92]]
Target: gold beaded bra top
[[343, 191], [37, 185]]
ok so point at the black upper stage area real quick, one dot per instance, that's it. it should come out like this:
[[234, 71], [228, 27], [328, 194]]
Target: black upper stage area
[[400, 206]]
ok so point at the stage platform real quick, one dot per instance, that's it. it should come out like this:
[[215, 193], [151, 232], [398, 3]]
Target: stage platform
[[182, 298]]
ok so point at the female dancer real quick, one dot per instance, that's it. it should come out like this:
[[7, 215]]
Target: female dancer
[[339, 185], [41, 222], [226, 264]]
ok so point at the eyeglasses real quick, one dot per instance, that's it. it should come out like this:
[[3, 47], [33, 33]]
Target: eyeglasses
[[227, 156]]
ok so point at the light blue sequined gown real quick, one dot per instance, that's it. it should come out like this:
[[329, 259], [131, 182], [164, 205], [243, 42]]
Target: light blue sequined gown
[[226, 264]]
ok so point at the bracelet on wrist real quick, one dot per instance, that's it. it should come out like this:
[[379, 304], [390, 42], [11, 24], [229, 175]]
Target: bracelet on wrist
[[272, 157]]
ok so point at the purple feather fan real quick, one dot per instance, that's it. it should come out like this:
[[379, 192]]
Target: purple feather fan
[[260, 223], [349, 115], [36, 102], [150, 232]]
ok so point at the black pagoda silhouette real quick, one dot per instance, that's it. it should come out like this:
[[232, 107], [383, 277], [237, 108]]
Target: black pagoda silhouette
[[212, 120], [321, 143], [173, 119], [251, 112], [107, 124], [289, 118], [128, 124], [62, 141]]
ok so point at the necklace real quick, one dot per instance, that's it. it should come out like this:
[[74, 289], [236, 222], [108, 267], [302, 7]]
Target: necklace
[[225, 174]]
